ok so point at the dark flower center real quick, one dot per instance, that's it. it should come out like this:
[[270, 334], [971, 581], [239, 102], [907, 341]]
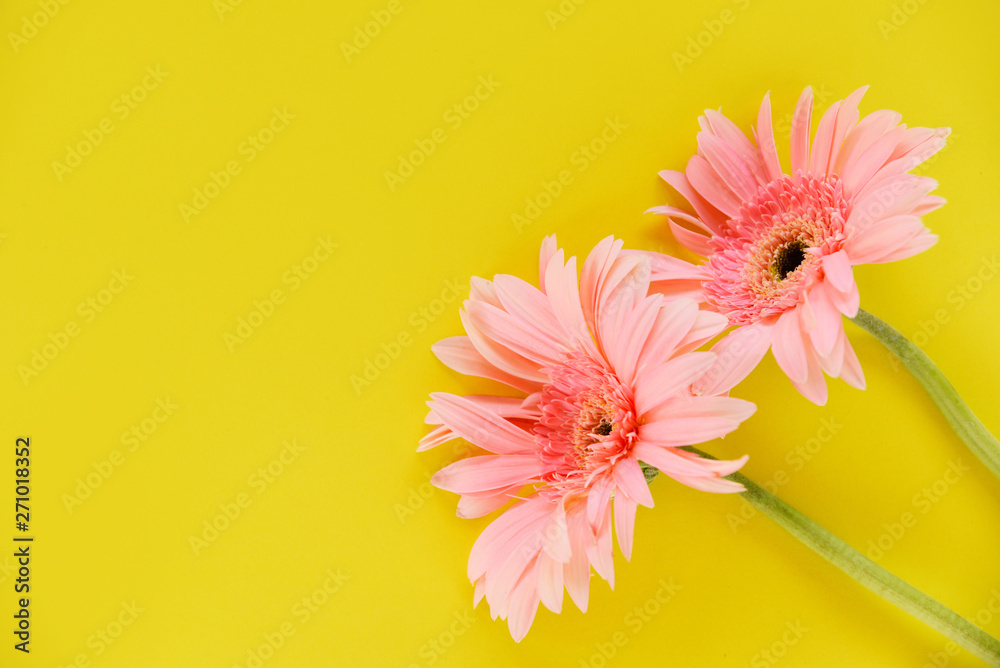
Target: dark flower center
[[788, 258], [604, 427]]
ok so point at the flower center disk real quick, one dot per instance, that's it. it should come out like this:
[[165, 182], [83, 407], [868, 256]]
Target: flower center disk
[[587, 424], [788, 258], [771, 253]]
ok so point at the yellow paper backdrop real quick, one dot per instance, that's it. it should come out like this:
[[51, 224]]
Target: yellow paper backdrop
[[201, 247]]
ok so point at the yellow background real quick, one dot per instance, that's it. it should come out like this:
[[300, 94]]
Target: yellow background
[[340, 505]]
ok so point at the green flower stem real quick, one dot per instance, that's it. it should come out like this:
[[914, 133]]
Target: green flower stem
[[982, 443], [864, 570]]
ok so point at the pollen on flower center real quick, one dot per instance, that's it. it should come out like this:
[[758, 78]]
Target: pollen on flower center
[[771, 253], [587, 422], [604, 427]]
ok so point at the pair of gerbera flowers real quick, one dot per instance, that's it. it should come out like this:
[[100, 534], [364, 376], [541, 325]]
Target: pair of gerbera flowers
[[608, 358]]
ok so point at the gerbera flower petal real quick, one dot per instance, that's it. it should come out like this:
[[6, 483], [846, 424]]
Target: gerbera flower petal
[[827, 321], [737, 410], [479, 425], [674, 212], [458, 353], [832, 362], [707, 182], [877, 241], [594, 272], [626, 342], [556, 541], [859, 171], [500, 356], [524, 602], [674, 278], [893, 196], [488, 472], [864, 134], [629, 479], [694, 242], [598, 498], [813, 386], [847, 302], [731, 167], [548, 249], [737, 354], [801, 127], [484, 291], [851, 370], [599, 550], [550, 582], [928, 204], [524, 301], [714, 485], [673, 327], [837, 268], [506, 407], [686, 430], [513, 333], [663, 382], [564, 294], [487, 549], [707, 325], [720, 467], [576, 573], [789, 347], [436, 437], [766, 149], [625, 509], [847, 120], [917, 146], [472, 506], [624, 286], [709, 215], [733, 137], [674, 462], [819, 156], [513, 566], [918, 244]]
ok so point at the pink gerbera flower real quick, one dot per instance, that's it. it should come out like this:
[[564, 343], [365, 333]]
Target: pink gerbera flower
[[781, 247], [606, 368]]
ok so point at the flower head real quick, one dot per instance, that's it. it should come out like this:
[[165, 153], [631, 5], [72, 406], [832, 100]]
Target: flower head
[[780, 248], [604, 369]]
